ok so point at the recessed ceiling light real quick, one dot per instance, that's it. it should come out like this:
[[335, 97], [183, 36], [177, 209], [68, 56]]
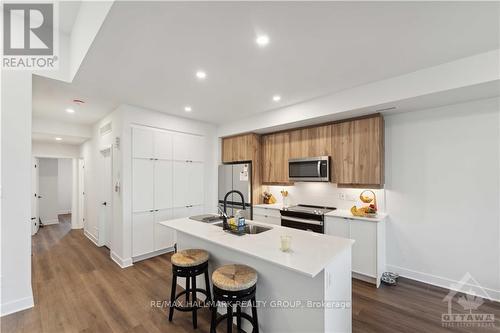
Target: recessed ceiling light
[[187, 108], [262, 40], [276, 98], [58, 139], [68, 110], [201, 75]]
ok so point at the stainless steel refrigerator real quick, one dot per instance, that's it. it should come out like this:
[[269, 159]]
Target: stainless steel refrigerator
[[236, 176]]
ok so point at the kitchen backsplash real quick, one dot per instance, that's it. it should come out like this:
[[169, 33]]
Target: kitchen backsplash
[[324, 194]]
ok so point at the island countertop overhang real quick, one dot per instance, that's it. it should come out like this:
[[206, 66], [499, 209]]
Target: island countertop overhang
[[310, 252]]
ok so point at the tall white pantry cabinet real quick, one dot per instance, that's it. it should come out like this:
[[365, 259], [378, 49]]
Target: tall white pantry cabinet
[[167, 182]]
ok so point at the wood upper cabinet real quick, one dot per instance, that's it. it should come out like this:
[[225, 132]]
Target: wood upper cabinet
[[246, 147], [311, 142], [275, 155], [359, 152], [240, 148]]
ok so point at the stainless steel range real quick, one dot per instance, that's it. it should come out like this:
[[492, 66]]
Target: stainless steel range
[[305, 217]]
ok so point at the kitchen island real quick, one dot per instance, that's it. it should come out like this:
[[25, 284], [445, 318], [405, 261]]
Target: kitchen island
[[307, 289]]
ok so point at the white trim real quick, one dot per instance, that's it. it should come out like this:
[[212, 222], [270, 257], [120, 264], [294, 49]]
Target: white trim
[[17, 305], [363, 277], [152, 254], [92, 238], [50, 222], [441, 281], [123, 263], [64, 212]]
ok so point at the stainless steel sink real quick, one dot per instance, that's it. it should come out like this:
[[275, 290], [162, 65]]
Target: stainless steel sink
[[249, 229], [206, 218]]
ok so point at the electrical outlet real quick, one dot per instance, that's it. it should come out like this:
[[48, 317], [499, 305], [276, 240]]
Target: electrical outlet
[[342, 196]]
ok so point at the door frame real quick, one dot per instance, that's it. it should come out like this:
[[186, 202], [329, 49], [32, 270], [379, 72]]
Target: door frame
[[35, 187], [81, 223]]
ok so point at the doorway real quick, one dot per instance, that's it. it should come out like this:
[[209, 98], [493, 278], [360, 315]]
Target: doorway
[[54, 188]]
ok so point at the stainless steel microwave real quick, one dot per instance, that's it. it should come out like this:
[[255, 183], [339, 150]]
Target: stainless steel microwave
[[310, 169]]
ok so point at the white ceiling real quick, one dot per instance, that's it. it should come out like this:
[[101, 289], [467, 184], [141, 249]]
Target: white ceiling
[[146, 54], [68, 10], [51, 138]]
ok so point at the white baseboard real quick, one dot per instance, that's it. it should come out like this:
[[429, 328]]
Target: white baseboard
[[17, 305], [92, 238], [123, 263], [50, 222], [442, 282], [152, 254]]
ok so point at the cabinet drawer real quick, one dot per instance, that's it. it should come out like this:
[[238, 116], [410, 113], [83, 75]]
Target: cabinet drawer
[[267, 212], [267, 219]]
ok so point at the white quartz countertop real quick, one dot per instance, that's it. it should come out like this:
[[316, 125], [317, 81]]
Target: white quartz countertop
[[348, 214], [277, 206], [310, 252]]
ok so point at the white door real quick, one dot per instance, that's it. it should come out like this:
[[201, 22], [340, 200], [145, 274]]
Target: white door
[[142, 143], [105, 192], [163, 194], [180, 184], [164, 237], [337, 226], [195, 183], [34, 195], [162, 145], [142, 233], [142, 184], [81, 193]]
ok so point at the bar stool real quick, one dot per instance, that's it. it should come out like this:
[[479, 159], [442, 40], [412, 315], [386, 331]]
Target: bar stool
[[189, 264], [232, 285]]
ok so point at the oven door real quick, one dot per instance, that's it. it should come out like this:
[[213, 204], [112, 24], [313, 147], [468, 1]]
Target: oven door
[[314, 169], [302, 224]]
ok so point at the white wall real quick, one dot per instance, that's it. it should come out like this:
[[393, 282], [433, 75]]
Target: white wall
[[55, 150], [442, 193], [64, 185], [48, 190], [16, 293]]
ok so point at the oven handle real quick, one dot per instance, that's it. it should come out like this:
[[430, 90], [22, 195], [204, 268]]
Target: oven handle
[[296, 219]]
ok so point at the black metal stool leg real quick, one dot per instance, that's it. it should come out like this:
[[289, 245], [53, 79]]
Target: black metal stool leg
[[207, 286], [213, 322], [229, 318], [255, 321], [188, 282], [172, 297], [194, 300], [238, 317]]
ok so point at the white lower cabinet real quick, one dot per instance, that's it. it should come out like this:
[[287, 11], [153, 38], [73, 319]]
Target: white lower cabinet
[[267, 215], [368, 251], [143, 234], [148, 235], [267, 219]]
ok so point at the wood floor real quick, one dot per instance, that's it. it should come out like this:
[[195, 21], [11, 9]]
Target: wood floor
[[77, 288]]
